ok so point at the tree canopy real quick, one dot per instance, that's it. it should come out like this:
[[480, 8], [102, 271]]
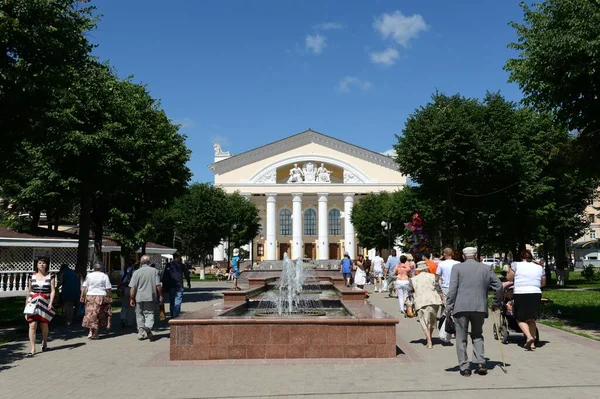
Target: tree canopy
[[558, 63], [491, 170]]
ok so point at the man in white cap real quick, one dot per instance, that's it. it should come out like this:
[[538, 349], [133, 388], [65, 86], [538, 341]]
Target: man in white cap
[[467, 302], [235, 267]]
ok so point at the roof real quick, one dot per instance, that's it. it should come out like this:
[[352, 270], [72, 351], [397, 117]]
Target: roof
[[71, 236], [38, 233], [112, 242], [298, 140]]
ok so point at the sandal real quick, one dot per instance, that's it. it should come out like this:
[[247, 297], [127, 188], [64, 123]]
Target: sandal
[[44, 348], [529, 345], [30, 354]]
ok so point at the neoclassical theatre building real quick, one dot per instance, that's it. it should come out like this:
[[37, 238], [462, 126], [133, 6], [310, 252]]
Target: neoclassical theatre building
[[305, 186]]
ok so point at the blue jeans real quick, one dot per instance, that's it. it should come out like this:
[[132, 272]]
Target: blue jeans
[[175, 299]]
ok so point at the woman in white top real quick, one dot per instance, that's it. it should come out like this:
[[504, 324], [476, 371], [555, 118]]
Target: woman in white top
[[528, 278], [377, 264], [97, 296]]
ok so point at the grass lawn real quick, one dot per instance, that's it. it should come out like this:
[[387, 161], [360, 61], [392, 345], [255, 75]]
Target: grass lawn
[[576, 281], [11, 310], [575, 306]]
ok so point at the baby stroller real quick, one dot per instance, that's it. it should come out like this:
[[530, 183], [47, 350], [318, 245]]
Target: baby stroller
[[507, 320]]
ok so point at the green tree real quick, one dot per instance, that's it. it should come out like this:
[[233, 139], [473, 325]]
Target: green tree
[[558, 63], [201, 217], [243, 214], [482, 164], [43, 45]]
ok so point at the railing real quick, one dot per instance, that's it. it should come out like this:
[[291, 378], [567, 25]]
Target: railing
[[14, 281]]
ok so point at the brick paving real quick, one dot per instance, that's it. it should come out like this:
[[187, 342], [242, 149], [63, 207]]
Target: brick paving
[[565, 366]]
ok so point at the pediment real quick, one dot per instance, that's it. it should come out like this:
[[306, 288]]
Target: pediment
[[296, 141]]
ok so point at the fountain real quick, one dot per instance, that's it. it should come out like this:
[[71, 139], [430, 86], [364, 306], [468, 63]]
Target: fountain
[[297, 312]]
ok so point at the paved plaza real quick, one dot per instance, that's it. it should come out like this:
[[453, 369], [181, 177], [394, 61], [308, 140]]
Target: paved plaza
[[118, 365]]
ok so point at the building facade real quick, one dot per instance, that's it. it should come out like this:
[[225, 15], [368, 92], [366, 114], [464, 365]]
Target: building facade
[[305, 187]]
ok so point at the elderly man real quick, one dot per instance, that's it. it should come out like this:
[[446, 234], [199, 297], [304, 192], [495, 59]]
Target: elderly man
[[467, 302], [144, 288]]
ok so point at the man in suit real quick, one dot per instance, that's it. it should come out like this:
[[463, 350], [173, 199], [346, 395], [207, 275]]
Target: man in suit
[[467, 302]]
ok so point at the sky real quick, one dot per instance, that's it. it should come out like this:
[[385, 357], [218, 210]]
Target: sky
[[245, 73]]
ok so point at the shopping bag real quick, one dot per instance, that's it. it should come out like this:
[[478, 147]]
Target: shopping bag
[[444, 336], [450, 327], [384, 285]]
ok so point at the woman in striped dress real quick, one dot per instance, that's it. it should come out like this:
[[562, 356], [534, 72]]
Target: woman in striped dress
[[41, 289]]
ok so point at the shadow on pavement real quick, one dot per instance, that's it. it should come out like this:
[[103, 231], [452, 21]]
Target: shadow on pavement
[[491, 365], [434, 341]]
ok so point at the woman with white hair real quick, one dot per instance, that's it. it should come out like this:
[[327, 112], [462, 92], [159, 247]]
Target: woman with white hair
[[428, 297], [96, 293]]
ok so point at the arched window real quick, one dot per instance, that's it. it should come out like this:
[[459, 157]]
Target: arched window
[[335, 224], [285, 222], [310, 222]]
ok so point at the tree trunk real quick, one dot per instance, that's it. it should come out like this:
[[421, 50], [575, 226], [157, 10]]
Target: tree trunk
[[98, 233], [56, 222], [35, 219], [143, 248], [85, 222], [547, 263]]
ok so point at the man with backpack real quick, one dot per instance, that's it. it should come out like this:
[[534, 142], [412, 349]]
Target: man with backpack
[[172, 282]]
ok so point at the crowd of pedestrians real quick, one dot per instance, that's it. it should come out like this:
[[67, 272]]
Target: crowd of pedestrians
[[455, 286]]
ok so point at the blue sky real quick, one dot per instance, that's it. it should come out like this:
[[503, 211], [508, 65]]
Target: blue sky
[[249, 72]]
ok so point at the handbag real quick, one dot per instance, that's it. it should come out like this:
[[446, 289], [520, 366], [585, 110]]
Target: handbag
[[30, 307]]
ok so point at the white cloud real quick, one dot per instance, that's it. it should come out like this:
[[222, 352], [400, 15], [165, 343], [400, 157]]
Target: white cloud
[[315, 43], [385, 57], [329, 26], [399, 27], [346, 84], [185, 123]]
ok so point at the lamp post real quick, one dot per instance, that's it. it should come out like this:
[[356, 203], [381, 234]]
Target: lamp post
[[388, 226]]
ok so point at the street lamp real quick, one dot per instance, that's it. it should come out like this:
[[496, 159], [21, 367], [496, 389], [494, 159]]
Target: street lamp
[[388, 226]]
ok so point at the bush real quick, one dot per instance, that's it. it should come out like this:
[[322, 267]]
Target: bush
[[589, 273]]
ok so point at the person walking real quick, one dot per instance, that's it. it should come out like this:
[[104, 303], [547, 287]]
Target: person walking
[[360, 276], [144, 288], [367, 268], [346, 268], [402, 280], [390, 266], [467, 303], [172, 282], [96, 293], [444, 270], [377, 271], [528, 278], [235, 268], [38, 303], [428, 297], [70, 290], [127, 311]]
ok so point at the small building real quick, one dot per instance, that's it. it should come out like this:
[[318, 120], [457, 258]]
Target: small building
[[586, 253], [18, 252]]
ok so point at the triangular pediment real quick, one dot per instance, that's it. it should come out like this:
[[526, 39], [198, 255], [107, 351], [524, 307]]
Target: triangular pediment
[[296, 141]]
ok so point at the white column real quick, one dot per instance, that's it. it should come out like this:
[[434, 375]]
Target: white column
[[296, 225], [323, 232], [349, 243], [271, 233], [219, 252]]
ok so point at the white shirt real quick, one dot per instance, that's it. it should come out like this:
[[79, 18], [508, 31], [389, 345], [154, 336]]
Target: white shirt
[[97, 283], [377, 263], [528, 277], [444, 270]]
